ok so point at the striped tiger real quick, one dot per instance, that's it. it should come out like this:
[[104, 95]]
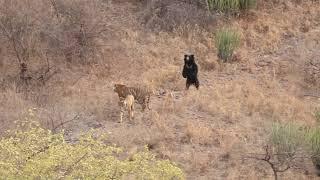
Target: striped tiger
[[141, 95]]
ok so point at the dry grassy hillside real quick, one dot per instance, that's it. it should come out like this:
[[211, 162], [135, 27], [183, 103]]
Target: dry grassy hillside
[[90, 45]]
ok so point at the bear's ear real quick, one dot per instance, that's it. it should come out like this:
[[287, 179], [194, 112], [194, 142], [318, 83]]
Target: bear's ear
[[192, 58], [186, 58]]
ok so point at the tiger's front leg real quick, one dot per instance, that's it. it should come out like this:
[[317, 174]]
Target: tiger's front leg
[[121, 111], [148, 104], [121, 114], [130, 113], [143, 107], [132, 109]]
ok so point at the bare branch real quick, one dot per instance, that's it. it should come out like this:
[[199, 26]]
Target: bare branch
[[272, 160]]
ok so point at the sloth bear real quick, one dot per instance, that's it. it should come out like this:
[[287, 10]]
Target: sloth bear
[[190, 71]]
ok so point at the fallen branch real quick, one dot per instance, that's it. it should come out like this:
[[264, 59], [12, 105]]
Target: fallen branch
[[311, 95], [63, 123]]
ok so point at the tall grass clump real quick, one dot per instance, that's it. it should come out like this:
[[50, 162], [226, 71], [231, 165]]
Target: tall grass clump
[[230, 5], [227, 41], [223, 5], [247, 4], [314, 144], [317, 116], [286, 139]]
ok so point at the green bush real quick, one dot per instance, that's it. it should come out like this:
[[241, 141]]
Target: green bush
[[230, 5], [35, 153], [227, 41]]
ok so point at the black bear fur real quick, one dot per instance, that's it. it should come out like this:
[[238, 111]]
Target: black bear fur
[[190, 71]]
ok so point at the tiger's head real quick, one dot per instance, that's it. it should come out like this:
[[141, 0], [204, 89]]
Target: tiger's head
[[118, 87]]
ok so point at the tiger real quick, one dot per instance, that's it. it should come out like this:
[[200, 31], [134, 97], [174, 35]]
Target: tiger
[[141, 95], [128, 103]]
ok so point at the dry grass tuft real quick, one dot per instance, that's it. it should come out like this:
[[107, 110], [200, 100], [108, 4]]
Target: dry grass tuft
[[169, 104], [166, 78], [199, 133]]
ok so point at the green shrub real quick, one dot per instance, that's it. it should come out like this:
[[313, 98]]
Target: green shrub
[[32, 152], [230, 5], [227, 41]]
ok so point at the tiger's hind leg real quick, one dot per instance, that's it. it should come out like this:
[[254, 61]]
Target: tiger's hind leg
[[148, 103], [130, 110], [121, 115]]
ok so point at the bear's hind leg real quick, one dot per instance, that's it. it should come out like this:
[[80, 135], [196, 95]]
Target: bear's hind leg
[[187, 85], [197, 84]]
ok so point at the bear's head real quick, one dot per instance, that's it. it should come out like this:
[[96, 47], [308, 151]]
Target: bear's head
[[189, 59]]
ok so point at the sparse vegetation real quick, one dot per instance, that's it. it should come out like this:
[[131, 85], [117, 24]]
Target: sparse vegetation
[[286, 149], [227, 40], [290, 147]]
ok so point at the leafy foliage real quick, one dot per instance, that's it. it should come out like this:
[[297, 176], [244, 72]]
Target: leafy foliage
[[227, 41], [32, 152]]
